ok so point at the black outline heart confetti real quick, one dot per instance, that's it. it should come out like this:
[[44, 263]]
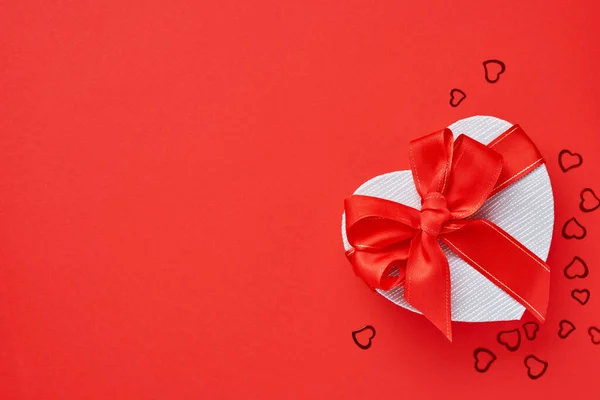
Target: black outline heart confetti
[[358, 343], [562, 165], [531, 329], [566, 227], [488, 71], [575, 293], [565, 328], [485, 367], [452, 97], [510, 339], [538, 362], [594, 332], [576, 263], [583, 196]]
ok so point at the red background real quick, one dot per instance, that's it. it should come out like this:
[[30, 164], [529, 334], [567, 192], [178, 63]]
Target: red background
[[171, 185]]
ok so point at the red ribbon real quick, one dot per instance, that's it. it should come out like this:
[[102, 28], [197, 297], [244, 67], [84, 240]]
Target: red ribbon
[[394, 245]]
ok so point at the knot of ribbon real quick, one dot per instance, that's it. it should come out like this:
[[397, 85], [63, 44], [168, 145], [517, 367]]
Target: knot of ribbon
[[434, 213], [394, 245]]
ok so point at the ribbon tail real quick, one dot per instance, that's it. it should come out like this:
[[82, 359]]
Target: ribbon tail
[[427, 282], [504, 261]]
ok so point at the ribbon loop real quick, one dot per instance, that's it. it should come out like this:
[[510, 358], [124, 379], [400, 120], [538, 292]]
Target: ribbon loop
[[475, 171], [430, 159]]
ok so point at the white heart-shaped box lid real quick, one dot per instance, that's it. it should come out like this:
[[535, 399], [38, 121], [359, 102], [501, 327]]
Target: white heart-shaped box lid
[[525, 210]]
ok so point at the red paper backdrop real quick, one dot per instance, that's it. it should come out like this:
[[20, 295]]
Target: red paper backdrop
[[171, 185]]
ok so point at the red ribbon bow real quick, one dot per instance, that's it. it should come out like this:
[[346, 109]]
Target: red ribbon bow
[[393, 244]]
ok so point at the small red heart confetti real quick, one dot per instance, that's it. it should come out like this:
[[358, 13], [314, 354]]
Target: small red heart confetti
[[364, 337], [536, 368], [493, 70], [577, 268], [582, 296], [484, 358], [531, 329], [565, 329], [456, 97], [568, 160], [510, 339], [573, 230], [589, 200], [594, 334]]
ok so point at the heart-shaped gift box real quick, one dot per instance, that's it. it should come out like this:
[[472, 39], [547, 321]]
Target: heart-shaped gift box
[[524, 210]]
